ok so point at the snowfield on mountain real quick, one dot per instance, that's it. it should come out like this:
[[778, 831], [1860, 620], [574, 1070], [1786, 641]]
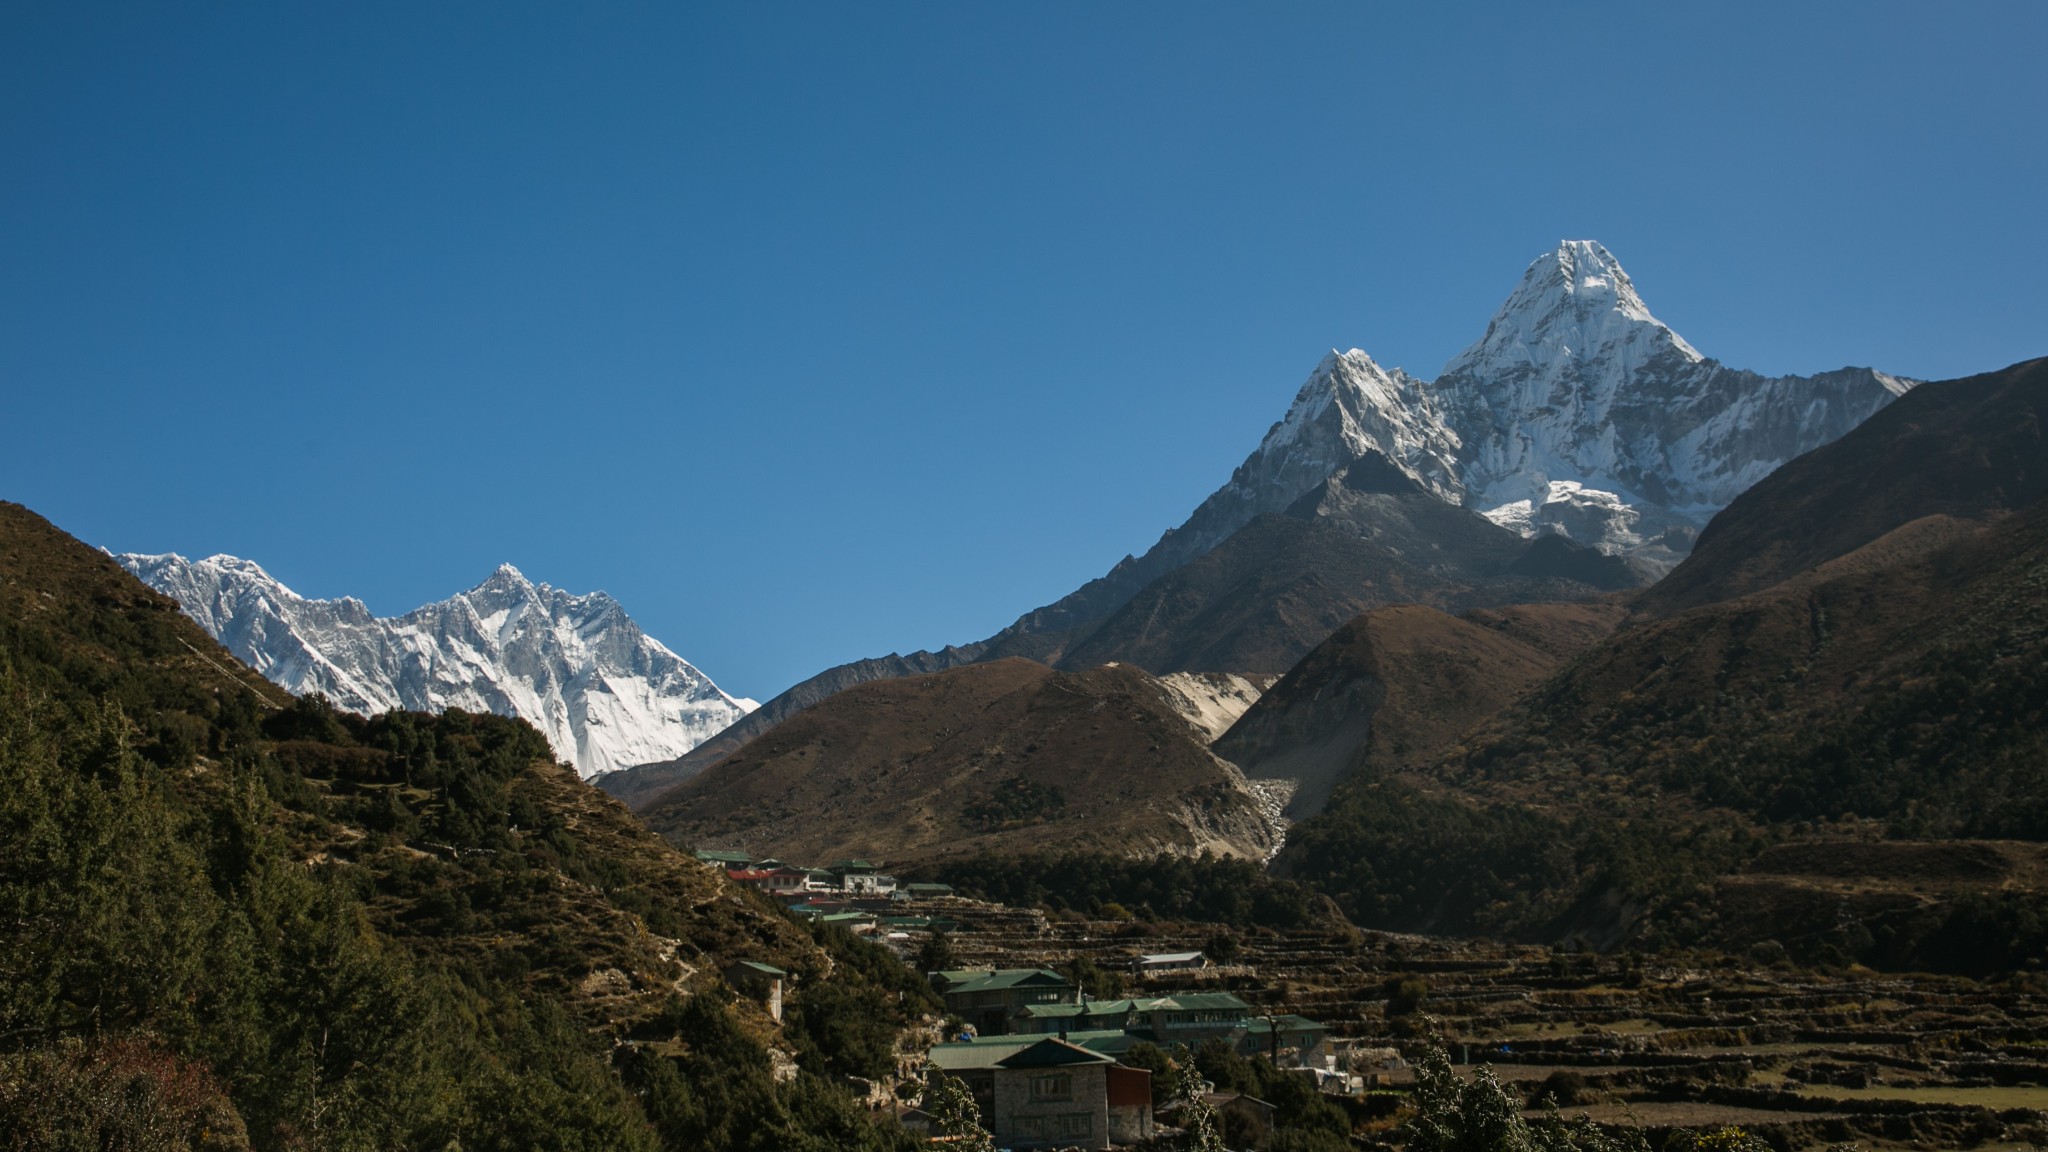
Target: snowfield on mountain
[[578, 668]]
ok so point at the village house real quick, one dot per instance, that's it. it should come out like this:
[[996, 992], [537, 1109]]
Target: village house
[[858, 923], [758, 981], [784, 881], [973, 1062], [1288, 1040], [1255, 1116], [1181, 1018], [869, 884], [1059, 1094], [1168, 962], [1184, 1018], [861, 878], [989, 998], [1086, 1016], [1191, 1017]]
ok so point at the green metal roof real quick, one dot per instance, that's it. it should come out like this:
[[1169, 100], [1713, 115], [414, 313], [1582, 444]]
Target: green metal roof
[[725, 857], [988, 1051], [1053, 1052], [931, 889], [1203, 1002], [1288, 1023], [1088, 1008], [1004, 978]]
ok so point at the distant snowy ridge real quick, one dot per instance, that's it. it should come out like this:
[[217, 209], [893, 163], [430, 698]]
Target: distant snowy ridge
[[604, 693]]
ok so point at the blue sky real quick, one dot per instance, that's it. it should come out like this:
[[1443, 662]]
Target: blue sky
[[816, 331]]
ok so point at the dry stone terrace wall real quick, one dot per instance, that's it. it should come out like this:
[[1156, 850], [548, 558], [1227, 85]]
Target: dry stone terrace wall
[[1804, 1057]]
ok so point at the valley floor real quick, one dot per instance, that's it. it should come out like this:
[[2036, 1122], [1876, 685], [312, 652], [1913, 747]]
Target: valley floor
[[1802, 1058]]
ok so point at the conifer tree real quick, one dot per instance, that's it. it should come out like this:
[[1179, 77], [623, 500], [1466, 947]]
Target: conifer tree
[[954, 1112], [1197, 1116]]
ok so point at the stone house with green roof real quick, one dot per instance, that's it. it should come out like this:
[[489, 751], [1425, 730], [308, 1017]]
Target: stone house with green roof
[[990, 998], [759, 981], [1184, 1018], [974, 1061], [1058, 1094]]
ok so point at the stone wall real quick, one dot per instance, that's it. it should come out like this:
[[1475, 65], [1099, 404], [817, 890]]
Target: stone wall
[[1079, 1121]]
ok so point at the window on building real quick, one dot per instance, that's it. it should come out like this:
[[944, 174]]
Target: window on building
[[1078, 1124], [1030, 1127], [1053, 1086]]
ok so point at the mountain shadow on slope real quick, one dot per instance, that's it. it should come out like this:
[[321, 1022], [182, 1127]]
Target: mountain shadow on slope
[[1557, 557], [1368, 536], [1008, 756], [1397, 686]]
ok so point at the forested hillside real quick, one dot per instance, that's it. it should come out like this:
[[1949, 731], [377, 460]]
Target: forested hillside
[[229, 919]]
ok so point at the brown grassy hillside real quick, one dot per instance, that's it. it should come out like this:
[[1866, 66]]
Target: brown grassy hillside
[[1006, 756], [1396, 686]]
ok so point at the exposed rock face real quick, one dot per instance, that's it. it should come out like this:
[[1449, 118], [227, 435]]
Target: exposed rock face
[[1212, 701], [604, 693]]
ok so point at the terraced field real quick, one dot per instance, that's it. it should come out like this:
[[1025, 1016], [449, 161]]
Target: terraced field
[[1803, 1058]]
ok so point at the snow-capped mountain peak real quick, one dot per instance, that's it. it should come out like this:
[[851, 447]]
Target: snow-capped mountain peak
[[605, 693], [1576, 303], [1579, 411], [1347, 407]]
